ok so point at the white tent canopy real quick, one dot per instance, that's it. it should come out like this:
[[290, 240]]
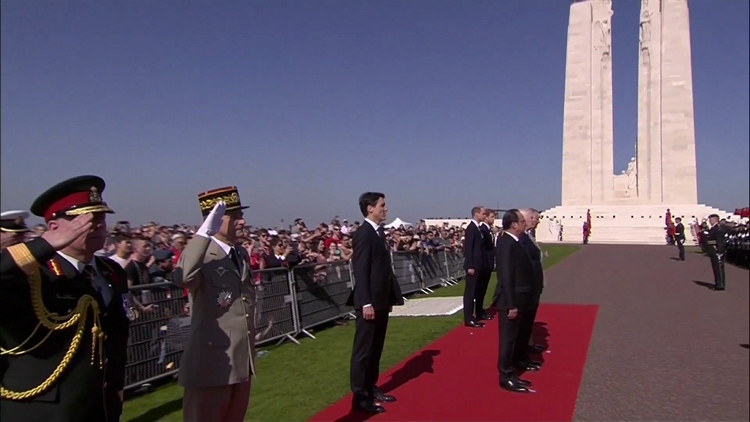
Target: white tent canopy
[[398, 223]]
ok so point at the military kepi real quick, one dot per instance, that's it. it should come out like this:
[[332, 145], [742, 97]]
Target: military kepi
[[230, 196], [14, 221], [76, 196]]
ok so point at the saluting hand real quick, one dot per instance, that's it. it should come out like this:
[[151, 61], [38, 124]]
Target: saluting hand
[[212, 223], [63, 236]]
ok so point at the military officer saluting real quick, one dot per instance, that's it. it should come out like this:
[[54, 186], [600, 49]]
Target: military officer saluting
[[12, 228], [218, 362], [63, 326], [716, 248]]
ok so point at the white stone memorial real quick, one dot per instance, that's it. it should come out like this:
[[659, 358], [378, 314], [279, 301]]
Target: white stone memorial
[[629, 207]]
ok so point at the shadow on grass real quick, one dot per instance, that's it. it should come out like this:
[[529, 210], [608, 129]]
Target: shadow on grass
[[160, 411]]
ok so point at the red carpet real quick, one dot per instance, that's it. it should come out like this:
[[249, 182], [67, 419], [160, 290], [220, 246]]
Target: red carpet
[[455, 378]]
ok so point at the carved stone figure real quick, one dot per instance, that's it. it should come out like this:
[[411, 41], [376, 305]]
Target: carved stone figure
[[632, 173]]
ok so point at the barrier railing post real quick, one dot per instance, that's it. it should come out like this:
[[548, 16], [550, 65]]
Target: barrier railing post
[[352, 281], [295, 308]]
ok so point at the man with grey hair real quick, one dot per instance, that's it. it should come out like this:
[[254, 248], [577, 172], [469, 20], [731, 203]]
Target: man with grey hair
[[528, 241]]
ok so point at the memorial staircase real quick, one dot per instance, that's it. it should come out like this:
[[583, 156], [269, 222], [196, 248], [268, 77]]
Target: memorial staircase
[[626, 224]]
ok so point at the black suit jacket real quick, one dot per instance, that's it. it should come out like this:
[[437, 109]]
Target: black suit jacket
[[716, 241], [474, 257], [488, 247], [515, 272], [80, 394], [535, 254], [679, 232], [374, 281]]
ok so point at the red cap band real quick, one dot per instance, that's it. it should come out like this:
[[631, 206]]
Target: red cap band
[[63, 204]]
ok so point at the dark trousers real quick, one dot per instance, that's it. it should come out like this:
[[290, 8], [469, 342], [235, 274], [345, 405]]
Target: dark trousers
[[483, 281], [470, 294], [681, 248], [524, 332], [717, 265], [369, 338], [509, 335]]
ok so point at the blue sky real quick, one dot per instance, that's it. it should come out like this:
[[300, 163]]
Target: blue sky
[[305, 104]]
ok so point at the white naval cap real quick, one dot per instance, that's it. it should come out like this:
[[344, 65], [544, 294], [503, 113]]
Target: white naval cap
[[13, 221]]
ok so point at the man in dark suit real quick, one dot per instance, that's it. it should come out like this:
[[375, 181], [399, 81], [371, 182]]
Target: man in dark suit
[[63, 318], [488, 249], [716, 247], [527, 240], [514, 296], [679, 237], [376, 291], [475, 264]]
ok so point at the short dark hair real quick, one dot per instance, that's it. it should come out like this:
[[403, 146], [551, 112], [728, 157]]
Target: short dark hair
[[678, 219], [369, 199], [510, 217], [714, 216], [489, 212], [475, 210], [121, 237]]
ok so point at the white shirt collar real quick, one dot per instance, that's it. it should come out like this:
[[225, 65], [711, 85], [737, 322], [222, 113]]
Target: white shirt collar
[[226, 248], [484, 224], [512, 235], [373, 224], [78, 264]]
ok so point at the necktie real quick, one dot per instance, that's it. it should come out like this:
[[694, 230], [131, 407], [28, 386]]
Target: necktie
[[381, 232], [89, 272], [233, 255]]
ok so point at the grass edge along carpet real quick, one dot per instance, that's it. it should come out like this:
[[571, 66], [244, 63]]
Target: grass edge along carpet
[[455, 377]]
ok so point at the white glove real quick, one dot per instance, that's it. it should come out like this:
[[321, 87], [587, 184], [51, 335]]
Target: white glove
[[212, 223]]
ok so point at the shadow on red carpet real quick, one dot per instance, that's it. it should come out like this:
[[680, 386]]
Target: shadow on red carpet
[[455, 377]]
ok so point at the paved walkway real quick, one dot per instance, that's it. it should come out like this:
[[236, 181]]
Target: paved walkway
[[665, 347]]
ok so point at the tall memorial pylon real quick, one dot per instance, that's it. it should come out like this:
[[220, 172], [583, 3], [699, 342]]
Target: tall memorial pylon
[[629, 207]]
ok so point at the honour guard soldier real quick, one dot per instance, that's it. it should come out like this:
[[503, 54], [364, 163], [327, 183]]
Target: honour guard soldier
[[218, 362], [63, 326], [716, 248], [12, 228], [679, 237]]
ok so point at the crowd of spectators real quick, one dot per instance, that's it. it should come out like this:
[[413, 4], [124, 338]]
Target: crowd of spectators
[[149, 252]]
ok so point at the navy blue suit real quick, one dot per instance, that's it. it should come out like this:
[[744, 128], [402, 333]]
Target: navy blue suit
[[474, 259]]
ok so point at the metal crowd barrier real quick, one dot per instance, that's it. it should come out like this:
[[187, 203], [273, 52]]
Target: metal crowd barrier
[[321, 293], [288, 304], [159, 331], [275, 310]]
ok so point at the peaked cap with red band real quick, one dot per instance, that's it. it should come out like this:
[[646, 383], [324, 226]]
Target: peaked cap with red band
[[76, 196]]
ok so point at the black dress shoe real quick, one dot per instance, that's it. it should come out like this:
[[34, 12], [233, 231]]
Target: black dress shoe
[[523, 383], [528, 367], [383, 398], [536, 348], [485, 317], [717, 289], [474, 324], [368, 407], [513, 386]]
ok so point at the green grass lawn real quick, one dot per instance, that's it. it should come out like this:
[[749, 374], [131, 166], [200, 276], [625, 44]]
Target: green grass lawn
[[296, 381]]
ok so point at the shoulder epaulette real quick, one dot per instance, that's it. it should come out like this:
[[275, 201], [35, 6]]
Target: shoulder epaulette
[[23, 258]]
